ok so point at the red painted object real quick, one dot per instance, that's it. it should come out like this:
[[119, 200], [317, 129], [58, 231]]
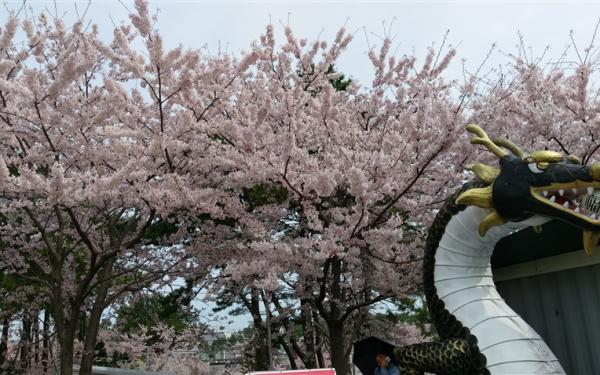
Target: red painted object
[[324, 371]]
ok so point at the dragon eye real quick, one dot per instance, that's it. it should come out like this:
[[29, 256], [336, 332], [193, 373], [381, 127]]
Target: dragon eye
[[534, 168]]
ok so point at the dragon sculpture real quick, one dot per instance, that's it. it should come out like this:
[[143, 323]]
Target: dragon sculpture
[[479, 333]]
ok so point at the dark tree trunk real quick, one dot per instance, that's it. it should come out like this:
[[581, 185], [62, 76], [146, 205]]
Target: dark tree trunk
[[335, 321], [260, 350], [91, 334], [45, 340], [25, 344], [35, 337], [82, 327], [289, 353], [309, 333], [4, 339], [66, 323], [339, 357], [318, 342], [320, 357], [67, 341]]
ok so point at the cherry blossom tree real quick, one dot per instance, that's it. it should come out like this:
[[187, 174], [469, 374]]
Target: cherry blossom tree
[[544, 103], [360, 168], [105, 164]]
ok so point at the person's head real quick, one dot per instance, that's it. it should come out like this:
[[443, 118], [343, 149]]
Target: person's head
[[381, 358]]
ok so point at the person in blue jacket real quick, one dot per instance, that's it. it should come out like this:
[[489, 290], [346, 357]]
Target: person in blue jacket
[[385, 366]]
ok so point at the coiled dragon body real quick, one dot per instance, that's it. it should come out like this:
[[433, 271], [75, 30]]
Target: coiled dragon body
[[479, 333]]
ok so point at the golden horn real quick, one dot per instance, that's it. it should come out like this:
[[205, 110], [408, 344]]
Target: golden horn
[[509, 145], [483, 139], [484, 172], [547, 156], [480, 197], [491, 220], [595, 171], [590, 241], [574, 159]]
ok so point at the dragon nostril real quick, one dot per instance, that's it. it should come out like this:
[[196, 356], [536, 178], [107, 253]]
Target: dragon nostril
[[595, 171]]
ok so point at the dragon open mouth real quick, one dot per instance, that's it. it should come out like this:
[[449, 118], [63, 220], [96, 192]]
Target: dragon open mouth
[[581, 201], [578, 199]]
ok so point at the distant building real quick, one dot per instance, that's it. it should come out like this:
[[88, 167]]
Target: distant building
[[215, 349]]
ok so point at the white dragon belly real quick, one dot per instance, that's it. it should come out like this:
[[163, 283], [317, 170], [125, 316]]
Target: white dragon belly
[[463, 278]]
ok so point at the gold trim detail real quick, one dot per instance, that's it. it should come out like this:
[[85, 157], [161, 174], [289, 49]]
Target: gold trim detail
[[590, 241], [595, 171], [493, 219], [546, 156]]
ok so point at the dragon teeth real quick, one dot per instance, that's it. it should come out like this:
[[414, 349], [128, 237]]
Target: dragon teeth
[[561, 192], [590, 190], [552, 198], [574, 190], [566, 204], [545, 193], [577, 209]]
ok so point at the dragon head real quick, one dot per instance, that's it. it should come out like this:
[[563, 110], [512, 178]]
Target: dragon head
[[544, 184]]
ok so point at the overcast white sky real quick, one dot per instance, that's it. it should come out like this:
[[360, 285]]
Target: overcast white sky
[[474, 26]]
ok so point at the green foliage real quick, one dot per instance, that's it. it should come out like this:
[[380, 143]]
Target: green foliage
[[150, 310], [13, 170], [228, 221], [159, 229], [412, 310], [263, 194], [339, 84], [8, 282], [44, 170], [173, 309]]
